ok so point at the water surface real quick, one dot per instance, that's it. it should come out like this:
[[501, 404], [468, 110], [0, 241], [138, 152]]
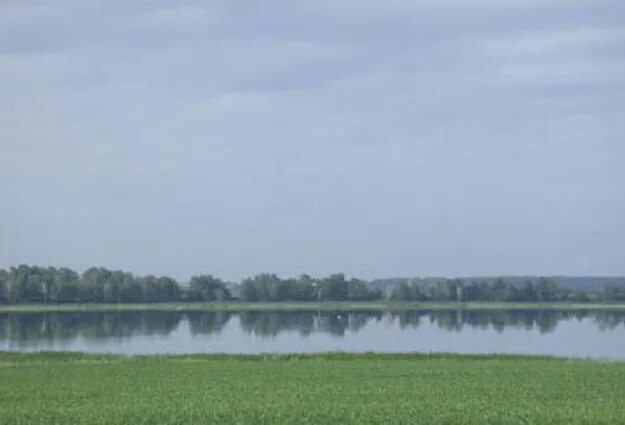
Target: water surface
[[599, 334]]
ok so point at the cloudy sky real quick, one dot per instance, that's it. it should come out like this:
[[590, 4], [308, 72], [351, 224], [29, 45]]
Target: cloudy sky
[[395, 138]]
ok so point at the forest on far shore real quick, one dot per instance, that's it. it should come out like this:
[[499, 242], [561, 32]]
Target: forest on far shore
[[44, 285]]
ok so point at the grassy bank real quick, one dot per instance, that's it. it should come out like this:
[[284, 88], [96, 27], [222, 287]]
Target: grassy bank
[[63, 388], [326, 305]]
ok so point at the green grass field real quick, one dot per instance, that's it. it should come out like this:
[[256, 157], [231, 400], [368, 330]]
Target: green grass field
[[325, 305], [68, 388]]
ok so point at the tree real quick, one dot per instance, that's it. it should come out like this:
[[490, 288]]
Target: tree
[[4, 291], [400, 292], [454, 290], [47, 281], [265, 287], [546, 290], [357, 290], [93, 282], [149, 288], [67, 284], [303, 288], [132, 290], [113, 286], [207, 288], [499, 290], [523, 292], [277, 289], [247, 291], [612, 292], [416, 292], [478, 291], [169, 289], [24, 284], [334, 288]]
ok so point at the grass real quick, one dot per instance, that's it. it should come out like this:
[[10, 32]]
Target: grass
[[74, 388], [326, 305]]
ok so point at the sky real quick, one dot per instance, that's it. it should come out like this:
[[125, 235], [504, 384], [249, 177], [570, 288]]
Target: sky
[[395, 138]]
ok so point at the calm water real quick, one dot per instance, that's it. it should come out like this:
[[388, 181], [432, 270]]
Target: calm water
[[563, 333]]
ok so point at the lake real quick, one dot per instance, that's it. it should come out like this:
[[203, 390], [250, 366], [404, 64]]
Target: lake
[[596, 334]]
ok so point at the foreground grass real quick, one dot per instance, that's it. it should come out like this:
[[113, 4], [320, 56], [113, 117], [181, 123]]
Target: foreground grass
[[325, 305], [64, 388]]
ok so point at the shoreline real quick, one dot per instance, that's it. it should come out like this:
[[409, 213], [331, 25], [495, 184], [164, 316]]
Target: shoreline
[[292, 306], [12, 357]]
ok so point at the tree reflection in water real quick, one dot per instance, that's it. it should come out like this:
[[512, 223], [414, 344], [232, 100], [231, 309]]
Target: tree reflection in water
[[63, 326]]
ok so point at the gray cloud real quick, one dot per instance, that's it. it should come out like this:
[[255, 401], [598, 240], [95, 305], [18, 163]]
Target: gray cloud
[[410, 138]]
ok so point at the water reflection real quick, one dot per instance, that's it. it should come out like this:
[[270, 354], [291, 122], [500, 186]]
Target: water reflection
[[23, 327], [545, 321]]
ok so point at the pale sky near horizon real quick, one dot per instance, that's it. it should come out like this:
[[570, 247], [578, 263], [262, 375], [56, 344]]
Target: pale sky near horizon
[[396, 138]]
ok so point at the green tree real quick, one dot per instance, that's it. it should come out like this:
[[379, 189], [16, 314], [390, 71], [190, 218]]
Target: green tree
[[132, 290], [169, 289], [4, 291], [25, 284], [523, 292], [400, 292], [357, 290], [264, 287], [303, 288], [247, 291], [113, 287], [277, 289], [67, 286], [93, 281], [149, 288], [499, 291], [334, 288], [612, 292], [546, 290], [476, 291], [454, 290], [207, 288]]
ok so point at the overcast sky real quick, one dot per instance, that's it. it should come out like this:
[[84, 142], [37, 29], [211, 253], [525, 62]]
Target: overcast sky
[[394, 138]]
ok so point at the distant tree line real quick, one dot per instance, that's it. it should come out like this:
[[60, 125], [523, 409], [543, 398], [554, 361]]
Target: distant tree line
[[31, 284], [544, 290], [269, 287]]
